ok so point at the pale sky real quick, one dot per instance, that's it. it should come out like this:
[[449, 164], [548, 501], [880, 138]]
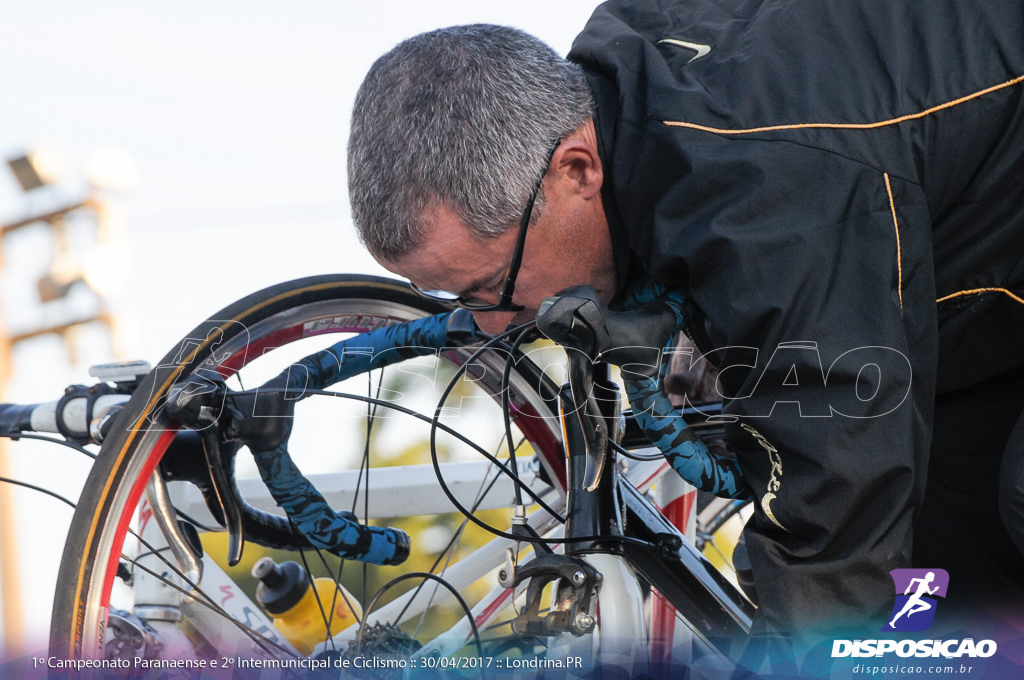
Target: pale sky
[[236, 117]]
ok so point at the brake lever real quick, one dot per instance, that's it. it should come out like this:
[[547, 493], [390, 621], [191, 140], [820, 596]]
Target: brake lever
[[573, 320], [199, 403], [578, 319], [596, 436]]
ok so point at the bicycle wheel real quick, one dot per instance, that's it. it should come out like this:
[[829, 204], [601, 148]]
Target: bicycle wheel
[[107, 551]]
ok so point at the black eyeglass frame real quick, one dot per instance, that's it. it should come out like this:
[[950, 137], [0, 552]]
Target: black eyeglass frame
[[504, 303]]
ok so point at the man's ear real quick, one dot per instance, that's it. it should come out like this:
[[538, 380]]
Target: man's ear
[[576, 159]]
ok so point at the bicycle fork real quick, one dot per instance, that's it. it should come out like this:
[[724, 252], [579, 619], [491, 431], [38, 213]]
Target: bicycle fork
[[595, 520], [591, 579], [166, 583]]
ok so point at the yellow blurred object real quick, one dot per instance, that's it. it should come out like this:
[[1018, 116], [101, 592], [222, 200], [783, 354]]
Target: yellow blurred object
[[305, 613], [719, 548], [215, 544]]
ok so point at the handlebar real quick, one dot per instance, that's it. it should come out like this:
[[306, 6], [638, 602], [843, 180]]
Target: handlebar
[[262, 422], [578, 319], [16, 418], [83, 415], [225, 421]]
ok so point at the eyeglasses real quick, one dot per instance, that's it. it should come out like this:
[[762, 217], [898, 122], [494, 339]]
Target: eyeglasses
[[504, 303]]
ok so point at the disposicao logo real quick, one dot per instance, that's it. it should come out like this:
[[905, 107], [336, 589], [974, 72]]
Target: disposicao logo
[[916, 593]]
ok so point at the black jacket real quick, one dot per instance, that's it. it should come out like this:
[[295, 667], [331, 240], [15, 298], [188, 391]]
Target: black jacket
[[840, 187]]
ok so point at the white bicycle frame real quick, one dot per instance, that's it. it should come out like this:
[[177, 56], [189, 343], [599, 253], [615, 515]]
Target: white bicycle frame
[[623, 637]]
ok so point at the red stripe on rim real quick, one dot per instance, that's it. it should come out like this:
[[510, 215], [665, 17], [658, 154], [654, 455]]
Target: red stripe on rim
[[133, 500]]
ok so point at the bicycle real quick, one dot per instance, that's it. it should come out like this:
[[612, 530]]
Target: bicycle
[[585, 566]]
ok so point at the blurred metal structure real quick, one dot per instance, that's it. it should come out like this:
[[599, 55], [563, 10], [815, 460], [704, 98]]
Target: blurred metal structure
[[32, 172]]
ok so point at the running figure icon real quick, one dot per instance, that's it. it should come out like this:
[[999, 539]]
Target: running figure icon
[[915, 603]]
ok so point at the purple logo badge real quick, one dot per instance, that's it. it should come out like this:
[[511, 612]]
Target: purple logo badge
[[916, 590]]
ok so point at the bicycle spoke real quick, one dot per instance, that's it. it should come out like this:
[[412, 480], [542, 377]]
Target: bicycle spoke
[[196, 593]]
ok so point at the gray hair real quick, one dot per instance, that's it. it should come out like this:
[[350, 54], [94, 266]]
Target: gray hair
[[461, 117]]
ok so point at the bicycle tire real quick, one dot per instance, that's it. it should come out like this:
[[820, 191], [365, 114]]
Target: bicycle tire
[[130, 454]]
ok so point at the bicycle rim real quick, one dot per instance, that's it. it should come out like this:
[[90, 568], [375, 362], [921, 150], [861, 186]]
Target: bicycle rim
[[241, 336]]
